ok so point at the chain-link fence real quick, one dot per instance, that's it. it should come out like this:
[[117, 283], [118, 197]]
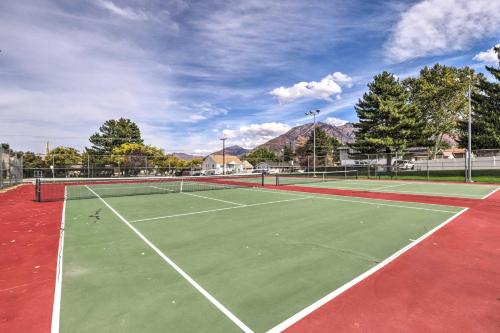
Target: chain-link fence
[[448, 164], [11, 169], [95, 166], [418, 164]]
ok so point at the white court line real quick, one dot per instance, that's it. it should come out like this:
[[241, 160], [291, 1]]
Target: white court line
[[217, 210], [56, 308], [387, 186], [169, 261], [201, 196], [376, 202], [96, 187], [162, 188], [209, 198], [388, 205], [490, 194], [451, 195], [316, 305]]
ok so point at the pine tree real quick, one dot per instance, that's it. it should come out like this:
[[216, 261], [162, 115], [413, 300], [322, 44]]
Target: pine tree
[[114, 133], [288, 152], [486, 113], [387, 121]]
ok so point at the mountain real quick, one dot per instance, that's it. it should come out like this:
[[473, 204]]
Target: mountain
[[232, 150], [344, 133], [186, 157]]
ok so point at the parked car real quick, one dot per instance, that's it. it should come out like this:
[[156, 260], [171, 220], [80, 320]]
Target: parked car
[[403, 164]]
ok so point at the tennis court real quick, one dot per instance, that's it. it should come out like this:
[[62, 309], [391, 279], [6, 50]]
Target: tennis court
[[472, 191], [192, 258], [349, 180]]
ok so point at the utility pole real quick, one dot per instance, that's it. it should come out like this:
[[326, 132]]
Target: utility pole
[[313, 114], [223, 139], [469, 171]]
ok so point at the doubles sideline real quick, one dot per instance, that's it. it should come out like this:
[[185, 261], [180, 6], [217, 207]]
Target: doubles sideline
[[327, 298], [169, 261]]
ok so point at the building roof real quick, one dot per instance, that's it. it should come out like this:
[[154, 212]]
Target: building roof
[[452, 151], [247, 164], [229, 159]]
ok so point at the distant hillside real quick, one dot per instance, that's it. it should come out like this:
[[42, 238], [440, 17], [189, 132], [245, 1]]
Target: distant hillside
[[344, 133], [186, 157], [232, 150]]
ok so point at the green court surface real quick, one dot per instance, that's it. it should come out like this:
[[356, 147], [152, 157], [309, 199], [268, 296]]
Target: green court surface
[[225, 260], [474, 191]]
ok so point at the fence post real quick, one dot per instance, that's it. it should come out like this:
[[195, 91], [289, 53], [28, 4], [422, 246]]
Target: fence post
[[1, 167], [396, 165], [37, 190], [465, 165], [428, 157]]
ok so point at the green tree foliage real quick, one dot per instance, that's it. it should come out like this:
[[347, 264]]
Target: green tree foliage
[[114, 133], [134, 157], [33, 161], [61, 157], [288, 152], [195, 162], [387, 121], [486, 113], [325, 146], [260, 155], [439, 95]]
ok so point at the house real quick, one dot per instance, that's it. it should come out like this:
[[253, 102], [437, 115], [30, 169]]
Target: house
[[247, 167], [451, 153], [215, 164]]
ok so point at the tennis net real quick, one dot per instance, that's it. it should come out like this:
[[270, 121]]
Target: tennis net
[[60, 189], [314, 177]]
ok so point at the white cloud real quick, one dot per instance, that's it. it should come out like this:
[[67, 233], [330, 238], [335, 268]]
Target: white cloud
[[335, 121], [434, 27], [203, 151], [65, 81], [487, 57], [240, 36], [324, 89], [204, 111], [125, 12], [249, 136]]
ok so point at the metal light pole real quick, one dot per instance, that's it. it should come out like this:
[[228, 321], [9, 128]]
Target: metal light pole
[[314, 113], [223, 155], [469, 171]]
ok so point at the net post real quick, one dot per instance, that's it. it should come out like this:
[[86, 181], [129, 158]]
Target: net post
[[37, 190], [277, 182], [182, 184], [262, 182]]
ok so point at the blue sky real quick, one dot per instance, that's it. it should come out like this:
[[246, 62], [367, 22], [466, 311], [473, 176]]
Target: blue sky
[[189, 72]]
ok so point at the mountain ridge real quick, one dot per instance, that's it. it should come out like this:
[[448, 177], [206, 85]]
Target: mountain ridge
[[344, 133]]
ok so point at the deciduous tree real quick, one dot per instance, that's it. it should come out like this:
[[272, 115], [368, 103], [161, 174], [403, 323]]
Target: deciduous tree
[[486, 112], [439, 94]]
